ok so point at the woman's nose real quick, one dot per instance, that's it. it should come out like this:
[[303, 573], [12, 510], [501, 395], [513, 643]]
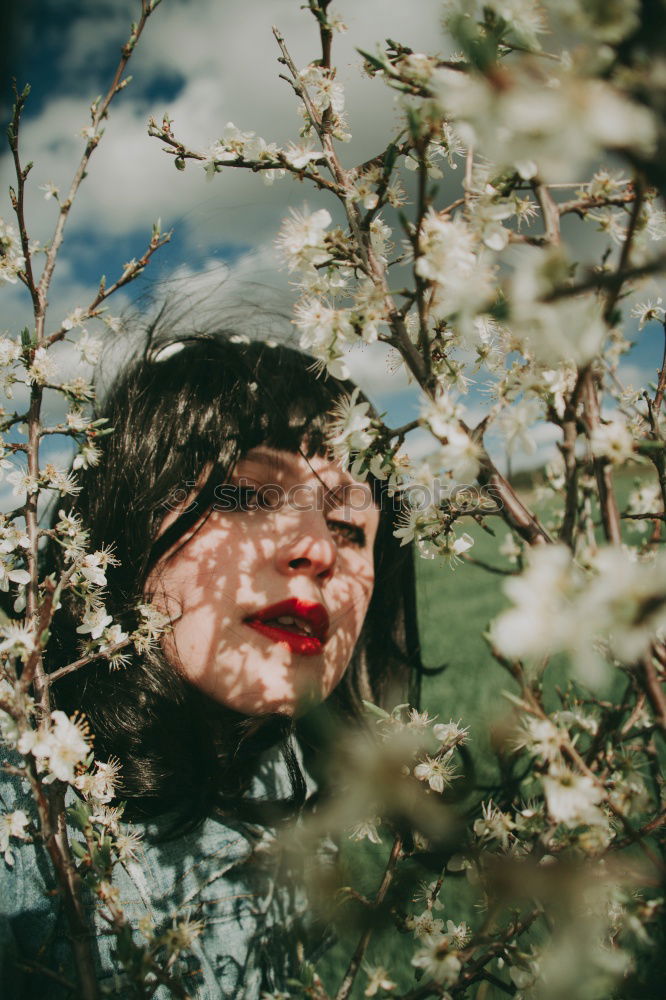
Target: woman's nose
[[312, 552]]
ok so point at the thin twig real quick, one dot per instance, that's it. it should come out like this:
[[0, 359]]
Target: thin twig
[[129, 274], [498, 570], [599, 280], [603, 469], [18, 199], [654, 516], [70, 668], [99, 111], [625, 254], [549, 210], [661, 385], [357, 957], [654, 690]]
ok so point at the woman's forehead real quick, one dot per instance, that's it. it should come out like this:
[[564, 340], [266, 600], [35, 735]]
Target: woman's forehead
[[299, 466]]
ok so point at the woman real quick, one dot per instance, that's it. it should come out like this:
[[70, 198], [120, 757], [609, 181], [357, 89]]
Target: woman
[[285, 588]]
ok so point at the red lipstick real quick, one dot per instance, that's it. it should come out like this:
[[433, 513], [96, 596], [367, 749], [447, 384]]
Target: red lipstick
[[300, 625]]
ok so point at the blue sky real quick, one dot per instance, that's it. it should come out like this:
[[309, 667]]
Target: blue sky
[[205, 62]]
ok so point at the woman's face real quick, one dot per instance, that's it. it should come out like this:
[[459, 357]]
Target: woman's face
[[267, 603]]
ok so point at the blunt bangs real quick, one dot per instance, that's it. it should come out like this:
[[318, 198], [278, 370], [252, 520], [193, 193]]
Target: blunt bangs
[[222, 398], [184, 412]]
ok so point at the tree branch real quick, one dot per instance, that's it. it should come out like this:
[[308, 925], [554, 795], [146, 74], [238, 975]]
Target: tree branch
[[361, 948]]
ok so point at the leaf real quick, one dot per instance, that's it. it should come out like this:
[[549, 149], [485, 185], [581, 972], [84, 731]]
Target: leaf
[[390, 156], [377, 61], [79, 815], [514, 699], [79, 849], [372, 709]]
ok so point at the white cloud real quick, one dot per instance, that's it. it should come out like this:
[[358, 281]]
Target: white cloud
[[227, 57]]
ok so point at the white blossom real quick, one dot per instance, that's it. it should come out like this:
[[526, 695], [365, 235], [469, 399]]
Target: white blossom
[[553, 122], [9, 730], [649, 311], [349, 428], [645, 499], [378, 979], [450, 734], [370, 311], [76, 421], [447, 257], [425, 925], [323, 328], [12, 825], [409, 521], [572, 798], [99, 784], [460, 455], [324, 90], [458, 934], [11, 257], [12, 537], [438, 772], [153, 625], [23, 482], [367, 830], [564, 330], [540, 617], [300, 157], [493, 825], [515, 422], [87, 457], [302, 237], [94, 621], [89, 348], [10, 351], [540, 737], [626, 601], [50, 191], [17, 638], [59, 479], [59, 748], [487, 211], [43, 367], [438, 961], [9, 575], [77, 317], [92, 568], [128, 841], [70, 529], [612, 440], [525, 20], [450, 547]]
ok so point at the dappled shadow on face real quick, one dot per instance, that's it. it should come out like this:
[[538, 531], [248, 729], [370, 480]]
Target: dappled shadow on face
[[236, 564]]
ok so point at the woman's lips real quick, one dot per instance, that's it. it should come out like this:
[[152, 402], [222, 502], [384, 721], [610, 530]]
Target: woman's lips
[[305, 645], [308, 616]]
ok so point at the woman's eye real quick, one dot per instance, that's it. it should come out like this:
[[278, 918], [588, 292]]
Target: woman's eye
[[247, 498], [257, 497], [348, 531]]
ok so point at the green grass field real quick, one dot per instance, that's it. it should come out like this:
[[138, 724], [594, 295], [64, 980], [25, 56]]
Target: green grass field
[[455, 608]]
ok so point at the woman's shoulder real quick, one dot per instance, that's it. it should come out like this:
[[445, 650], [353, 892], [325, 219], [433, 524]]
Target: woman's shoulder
[[25, 881], [220, 876]]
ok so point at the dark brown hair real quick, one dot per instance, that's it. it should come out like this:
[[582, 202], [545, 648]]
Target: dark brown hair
[[183, 411]]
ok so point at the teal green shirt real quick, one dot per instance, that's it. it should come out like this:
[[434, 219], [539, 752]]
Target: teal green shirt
[[223, 875]]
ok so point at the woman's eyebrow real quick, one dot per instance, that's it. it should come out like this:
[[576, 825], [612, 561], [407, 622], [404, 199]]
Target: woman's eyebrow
[[289, 461], [272, 459]]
